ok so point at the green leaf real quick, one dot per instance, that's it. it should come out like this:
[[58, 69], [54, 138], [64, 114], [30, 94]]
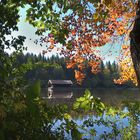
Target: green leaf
[[93, 132], [102, 105], [33, 91], [84, 104], [87, 93], [81, 99], [67, 116], [76, 105], [76, 135], [2, 135]]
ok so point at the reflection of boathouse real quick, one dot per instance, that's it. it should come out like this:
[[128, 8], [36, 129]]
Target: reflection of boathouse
[[60, 89]]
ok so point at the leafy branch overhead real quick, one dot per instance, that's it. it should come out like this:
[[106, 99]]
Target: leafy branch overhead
[[83, 26], [80, 26]]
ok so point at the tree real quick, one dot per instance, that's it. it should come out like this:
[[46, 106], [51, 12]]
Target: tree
[[109, 66], [102, 66], [81, 26], [92, 24], [135, 43]]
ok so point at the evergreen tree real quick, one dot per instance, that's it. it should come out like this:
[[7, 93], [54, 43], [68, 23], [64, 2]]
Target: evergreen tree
[[56, 69]]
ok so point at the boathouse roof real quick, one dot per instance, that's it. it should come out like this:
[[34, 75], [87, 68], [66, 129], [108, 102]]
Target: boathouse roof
[[60, 82]]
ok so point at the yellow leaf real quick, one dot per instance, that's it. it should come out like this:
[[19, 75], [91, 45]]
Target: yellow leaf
[[95, 16], [67, 116]]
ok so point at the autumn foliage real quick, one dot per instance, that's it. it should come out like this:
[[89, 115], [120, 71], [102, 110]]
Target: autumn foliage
[[92, 26]]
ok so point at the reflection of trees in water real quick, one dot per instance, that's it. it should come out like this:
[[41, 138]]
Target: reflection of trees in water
[[113, 97]]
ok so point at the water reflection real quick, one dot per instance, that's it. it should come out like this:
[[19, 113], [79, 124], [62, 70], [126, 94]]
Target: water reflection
[[113, 97], [58, 93]]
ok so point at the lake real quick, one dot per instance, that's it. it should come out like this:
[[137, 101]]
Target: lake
[[112, 97]]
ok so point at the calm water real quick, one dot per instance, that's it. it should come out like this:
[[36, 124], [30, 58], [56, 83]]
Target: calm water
[[113, 97]]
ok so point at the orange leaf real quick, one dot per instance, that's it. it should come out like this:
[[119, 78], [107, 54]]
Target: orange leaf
[[70, 65], [79, 76]]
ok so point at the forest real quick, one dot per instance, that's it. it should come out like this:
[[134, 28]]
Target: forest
[[55, 68]]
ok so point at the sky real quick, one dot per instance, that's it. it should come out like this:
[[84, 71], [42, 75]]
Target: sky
[[109, 52], [28, 31]]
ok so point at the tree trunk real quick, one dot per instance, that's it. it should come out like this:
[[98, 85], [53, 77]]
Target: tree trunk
[[135, 44]]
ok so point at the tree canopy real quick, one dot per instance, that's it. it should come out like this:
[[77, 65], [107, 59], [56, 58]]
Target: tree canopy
[[81, 26]]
